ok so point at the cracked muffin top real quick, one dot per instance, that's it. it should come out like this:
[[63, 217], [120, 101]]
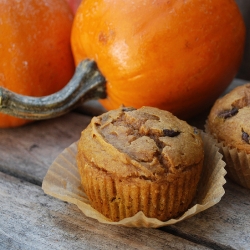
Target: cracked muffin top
[[229, 118], [145, 142]]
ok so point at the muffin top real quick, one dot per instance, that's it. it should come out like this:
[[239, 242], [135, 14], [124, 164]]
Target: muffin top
[[145, 142], [229, 118]]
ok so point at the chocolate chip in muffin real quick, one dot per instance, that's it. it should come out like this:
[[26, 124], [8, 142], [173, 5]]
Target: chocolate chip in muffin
[[245, 137], [170, 133], [228, 113]]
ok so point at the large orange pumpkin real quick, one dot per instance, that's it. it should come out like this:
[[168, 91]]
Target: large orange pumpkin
[[35, 52], [175, 55]]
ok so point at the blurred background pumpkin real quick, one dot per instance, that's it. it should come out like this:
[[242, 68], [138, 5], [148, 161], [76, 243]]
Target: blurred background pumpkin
[[35, 51]]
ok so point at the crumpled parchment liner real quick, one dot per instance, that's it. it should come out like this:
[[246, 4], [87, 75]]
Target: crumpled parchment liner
[[62, 181]]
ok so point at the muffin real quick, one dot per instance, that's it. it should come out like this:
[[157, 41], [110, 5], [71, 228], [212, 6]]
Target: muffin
[[145, 159], [228, 122]]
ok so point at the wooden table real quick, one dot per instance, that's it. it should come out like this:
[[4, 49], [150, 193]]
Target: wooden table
[[29, 219]]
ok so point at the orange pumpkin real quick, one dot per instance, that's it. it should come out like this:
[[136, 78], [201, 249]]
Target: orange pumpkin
[[35, 52], [175, 55]]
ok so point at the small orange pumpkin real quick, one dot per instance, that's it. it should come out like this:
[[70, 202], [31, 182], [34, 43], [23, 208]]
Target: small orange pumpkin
[[35, 52], [175, 55]]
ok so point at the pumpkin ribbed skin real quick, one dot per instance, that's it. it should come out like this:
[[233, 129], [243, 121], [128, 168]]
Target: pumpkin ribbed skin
[[35, 52], [174, 55]]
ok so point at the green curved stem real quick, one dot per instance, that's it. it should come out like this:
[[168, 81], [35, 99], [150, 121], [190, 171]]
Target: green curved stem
[[87, 83]]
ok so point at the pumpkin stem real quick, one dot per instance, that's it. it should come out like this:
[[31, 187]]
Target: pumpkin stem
[[87, 83]]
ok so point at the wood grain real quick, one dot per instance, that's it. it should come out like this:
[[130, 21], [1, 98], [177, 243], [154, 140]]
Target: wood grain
[[27, 152], [32, 220], [223, 226]]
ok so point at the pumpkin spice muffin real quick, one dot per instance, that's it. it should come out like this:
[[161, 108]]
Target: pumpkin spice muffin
[[228, 122], [145, 159]]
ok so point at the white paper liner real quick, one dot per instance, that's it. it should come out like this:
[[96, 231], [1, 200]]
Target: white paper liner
[[63, 181]]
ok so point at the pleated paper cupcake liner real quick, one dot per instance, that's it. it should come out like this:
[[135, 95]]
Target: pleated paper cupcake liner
[[63, 181], [237, 163], [121, 198]]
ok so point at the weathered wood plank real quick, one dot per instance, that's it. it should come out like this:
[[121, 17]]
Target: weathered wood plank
[[223, 226], [28, 151], [32, 220]]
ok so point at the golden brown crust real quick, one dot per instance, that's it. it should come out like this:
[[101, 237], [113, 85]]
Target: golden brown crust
[[229, 119], [137, 140], [140, 160]]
